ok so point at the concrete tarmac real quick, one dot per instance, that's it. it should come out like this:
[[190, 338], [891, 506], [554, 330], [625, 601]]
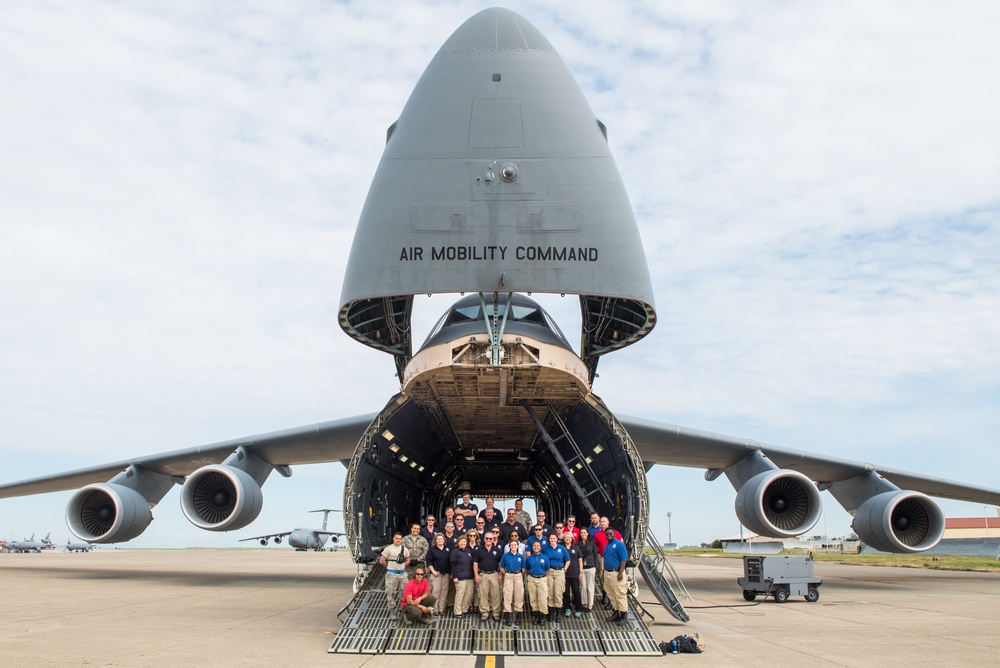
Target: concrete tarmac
[[274, 606]]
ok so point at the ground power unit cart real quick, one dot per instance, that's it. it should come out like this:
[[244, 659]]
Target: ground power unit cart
[[779, 577]]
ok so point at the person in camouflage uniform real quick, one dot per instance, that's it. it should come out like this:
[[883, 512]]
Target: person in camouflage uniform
[[521, 515], [417, 546]]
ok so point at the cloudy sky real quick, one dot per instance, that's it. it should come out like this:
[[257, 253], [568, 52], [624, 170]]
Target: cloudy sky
[[817, 187]]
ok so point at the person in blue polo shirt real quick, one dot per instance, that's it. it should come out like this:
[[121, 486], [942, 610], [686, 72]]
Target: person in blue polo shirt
[[537, 565], [558, 563], [511, 565], [537, 536], [615, 582]]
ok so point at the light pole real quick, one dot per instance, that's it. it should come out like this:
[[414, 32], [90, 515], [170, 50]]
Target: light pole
[[670, 540]]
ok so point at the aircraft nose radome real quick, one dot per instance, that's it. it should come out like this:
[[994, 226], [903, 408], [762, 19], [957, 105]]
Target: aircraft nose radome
[[496, 29]]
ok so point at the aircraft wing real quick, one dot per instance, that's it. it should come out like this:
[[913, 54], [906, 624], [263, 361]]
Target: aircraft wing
[[323, 442], [674, 445], [268, 536]]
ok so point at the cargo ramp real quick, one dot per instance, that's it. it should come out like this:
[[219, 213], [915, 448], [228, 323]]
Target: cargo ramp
[[367, 629]]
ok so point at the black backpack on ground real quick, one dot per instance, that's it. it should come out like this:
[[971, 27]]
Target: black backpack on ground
[[680, 645]]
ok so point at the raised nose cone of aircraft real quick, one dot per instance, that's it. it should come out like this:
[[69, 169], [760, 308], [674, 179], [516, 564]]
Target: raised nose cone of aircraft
[[497, 29], [496, 177], [496, 87]]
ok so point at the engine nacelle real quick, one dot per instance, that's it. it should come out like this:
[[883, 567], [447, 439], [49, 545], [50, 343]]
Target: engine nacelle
[[107, 513], [221, 498], [778, 503], [899, 521]]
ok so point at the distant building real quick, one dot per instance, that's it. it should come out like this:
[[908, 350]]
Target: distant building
[[971, 527]]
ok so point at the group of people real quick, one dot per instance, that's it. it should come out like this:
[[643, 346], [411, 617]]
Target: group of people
[[479, 562]]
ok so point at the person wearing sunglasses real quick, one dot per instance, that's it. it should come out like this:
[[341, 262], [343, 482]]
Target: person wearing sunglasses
[[537, 536], [572, 528], [417, 600], [486, 566]]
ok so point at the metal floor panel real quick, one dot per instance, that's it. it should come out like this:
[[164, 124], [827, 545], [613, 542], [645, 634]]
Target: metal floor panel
[[409, 640], [368, 630], [582, 643], [632, 623], [451, 641], [359, 641], [537, 643], [372, 611], [494, 642], [581, 623], [629, 643], [451, 622]]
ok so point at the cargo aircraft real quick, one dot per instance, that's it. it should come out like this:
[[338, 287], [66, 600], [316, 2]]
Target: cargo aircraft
[[77, 546], [497, 182], [30, 544], [303, 539]]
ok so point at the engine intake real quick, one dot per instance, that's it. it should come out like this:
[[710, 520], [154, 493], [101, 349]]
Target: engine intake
[[221, 498], [107, 513], [899, 521], [778, 503]]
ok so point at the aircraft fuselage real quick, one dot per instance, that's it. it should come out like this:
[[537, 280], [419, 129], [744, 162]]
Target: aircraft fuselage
[[502, 407]]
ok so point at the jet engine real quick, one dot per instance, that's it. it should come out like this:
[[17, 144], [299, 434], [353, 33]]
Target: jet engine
[[778, 503], [218, 497], [899, 521], [107, 513]]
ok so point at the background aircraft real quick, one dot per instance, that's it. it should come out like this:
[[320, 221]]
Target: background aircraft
[[30, 544], [304, 539], [78, 546], [810, 302]]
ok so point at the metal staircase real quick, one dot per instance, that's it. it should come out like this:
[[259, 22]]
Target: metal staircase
[[662, 579]]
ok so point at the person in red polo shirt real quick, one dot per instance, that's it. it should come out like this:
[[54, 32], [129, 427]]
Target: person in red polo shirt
[[572, 528], [417, 600], [600, 539]]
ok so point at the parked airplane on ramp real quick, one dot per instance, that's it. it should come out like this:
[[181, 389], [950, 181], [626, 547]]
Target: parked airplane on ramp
[[497, 181], [78, 546], [30, 544], [304, 539]]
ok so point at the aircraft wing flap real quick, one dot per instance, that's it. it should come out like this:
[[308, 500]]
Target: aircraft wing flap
[[946, 489], [267, 536], [323, 442], [674, 445]]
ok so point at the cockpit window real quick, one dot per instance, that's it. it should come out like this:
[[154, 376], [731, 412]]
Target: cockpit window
[[553, 326], [529, 313], [464, 313], [517, 312]]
